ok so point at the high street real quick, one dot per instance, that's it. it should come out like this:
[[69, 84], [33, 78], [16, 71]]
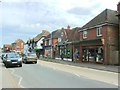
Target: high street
[[52, 75]]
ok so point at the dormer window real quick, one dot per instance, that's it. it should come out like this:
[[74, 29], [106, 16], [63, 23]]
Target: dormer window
[[99, 31], [84, 34]]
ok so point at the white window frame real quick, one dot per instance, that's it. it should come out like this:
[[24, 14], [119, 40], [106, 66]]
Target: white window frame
[[49, 41], [85, 34], [99, 31]]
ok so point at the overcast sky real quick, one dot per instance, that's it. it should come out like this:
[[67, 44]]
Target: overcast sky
[[25, 19]]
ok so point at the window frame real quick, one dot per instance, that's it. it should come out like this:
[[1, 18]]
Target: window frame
[[85, 34], [99, 31]]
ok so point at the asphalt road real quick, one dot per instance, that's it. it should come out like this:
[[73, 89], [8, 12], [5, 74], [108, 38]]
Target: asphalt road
[[40, 76]]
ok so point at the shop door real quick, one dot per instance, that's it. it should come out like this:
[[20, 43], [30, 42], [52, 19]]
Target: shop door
[[85, 55], [91, 55]]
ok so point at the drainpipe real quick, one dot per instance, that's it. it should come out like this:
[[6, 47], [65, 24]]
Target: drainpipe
[[51, 45]]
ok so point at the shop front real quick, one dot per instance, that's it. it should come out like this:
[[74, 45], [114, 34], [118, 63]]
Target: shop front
[[64, 51], [48, 52], [92, 54], [92, 51]]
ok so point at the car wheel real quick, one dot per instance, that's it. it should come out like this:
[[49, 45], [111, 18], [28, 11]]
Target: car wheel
[[6, 66], [20, 65], [25, 61], [35, 62]]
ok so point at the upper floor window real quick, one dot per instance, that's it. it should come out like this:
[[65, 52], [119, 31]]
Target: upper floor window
[[62, 34], [84, 34], [50, 41], [45, 43], [99, 31]]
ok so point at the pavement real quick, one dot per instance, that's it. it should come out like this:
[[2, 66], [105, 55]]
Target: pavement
[[110, 68], [87, 73]]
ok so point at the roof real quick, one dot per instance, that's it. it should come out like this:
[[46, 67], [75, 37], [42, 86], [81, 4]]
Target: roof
[[19, 40], [7, 45], [69, 34], [29, 41], [43, 34], [107, 16], [54, 34], [73, 34]]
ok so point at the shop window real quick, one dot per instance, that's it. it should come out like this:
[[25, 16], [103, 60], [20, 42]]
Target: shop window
[[99, 54], [84, 34], [50, 42], [99, 31]]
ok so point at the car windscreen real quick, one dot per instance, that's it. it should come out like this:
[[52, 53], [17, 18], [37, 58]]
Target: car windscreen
[[32, 54], [12, 55]]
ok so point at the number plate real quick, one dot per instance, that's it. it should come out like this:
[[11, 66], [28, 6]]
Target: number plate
[[14, 62]]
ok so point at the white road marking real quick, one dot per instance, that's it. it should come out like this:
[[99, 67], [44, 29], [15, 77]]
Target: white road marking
[[20, 78], [77, 75]]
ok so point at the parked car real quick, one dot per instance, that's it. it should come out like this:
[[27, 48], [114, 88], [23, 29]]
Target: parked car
[[2, 56], [29, 57], [11, 59]]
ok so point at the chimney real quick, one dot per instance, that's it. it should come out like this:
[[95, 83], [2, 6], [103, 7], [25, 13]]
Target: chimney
[[43, 31], [118, 7], [68, 27]]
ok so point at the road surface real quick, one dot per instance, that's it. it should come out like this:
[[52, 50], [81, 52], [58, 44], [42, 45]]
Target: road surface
[[42, 75]]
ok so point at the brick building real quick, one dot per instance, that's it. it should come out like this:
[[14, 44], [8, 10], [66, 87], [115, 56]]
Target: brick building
[[18, 46], [67, 43], [118, 8], [99, 39], [50, 44], [7, 47]]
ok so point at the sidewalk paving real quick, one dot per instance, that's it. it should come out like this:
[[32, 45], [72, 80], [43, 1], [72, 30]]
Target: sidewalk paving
[[111, 68]]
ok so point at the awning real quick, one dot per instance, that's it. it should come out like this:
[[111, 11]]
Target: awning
[[90, 41], [61, 43], [35, 48]]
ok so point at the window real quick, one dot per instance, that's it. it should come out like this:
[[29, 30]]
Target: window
[[49, 42], [62, 34], [99, 31], [84, 34], [45, 43]]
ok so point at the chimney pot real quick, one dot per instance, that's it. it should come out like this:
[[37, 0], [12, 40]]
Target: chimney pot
[[68, 27]]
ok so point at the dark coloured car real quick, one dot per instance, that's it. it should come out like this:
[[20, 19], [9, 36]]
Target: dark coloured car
[[29, 57], [2, 55], [12, 59]]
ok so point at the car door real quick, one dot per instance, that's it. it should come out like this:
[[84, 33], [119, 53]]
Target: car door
[[4, 58]]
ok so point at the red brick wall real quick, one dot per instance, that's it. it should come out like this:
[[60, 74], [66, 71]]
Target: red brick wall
[[112, 43], [54, 40], [91, 34], [110, 36], [118, 8], [20, 45]]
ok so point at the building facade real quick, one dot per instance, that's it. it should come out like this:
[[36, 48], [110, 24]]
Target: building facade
[[99, 39], [18, 46], [7, 47], [118, 8], [67, 43], [36, 44], [50, 44]]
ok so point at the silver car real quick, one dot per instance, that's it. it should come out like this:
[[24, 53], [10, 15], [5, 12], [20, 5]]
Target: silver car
[[29, 57]]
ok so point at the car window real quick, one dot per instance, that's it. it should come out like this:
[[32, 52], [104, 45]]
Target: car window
[[12, 55], [32, 54]]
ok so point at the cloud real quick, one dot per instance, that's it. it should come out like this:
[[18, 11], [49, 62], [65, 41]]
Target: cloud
[[27, 18], [80, 11]]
